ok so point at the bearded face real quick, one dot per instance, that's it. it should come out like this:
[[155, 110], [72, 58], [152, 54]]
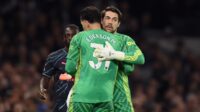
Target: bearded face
[[110, 22]]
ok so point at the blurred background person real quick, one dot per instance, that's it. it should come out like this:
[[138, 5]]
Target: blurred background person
[[54, 66]]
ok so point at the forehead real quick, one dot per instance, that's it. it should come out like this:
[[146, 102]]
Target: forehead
[[68, 30], [111, 14]]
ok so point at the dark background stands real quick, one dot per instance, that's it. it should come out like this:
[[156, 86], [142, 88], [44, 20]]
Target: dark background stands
[[167, 32]]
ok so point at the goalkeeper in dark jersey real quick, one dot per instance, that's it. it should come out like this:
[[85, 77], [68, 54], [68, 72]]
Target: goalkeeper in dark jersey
[[111, 18], [54, 66]]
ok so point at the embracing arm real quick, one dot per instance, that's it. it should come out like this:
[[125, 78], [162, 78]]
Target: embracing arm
[[133, 55]]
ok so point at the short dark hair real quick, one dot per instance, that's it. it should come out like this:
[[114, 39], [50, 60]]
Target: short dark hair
[[112, 9], [73, 27], [91, 14]]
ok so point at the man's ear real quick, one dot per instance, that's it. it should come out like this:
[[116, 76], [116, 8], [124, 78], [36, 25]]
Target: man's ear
[[101, 21], [82, 21], [85, 22], [119, 24]]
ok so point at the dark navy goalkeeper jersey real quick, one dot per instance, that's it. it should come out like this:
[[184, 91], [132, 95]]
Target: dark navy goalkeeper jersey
[[54, 66]]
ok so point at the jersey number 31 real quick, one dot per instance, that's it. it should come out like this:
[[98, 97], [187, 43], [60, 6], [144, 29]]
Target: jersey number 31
[[99, 63]]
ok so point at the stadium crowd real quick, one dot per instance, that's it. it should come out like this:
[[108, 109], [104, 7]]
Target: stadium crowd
[[29, 30]]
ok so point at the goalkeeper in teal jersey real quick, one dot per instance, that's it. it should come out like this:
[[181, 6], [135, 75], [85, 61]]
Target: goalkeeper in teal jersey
[[111, 18], [94, 80]]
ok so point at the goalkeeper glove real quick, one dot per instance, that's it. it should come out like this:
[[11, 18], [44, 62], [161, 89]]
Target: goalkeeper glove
[[108, 53]]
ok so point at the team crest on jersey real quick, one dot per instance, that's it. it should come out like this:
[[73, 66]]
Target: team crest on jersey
[[130, 43]]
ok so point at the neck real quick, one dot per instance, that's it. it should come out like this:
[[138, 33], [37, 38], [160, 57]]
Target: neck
[[114, 32], [94, 26]]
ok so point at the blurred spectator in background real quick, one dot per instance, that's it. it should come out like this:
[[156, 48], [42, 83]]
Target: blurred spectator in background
[[54, 66], [31, 29]]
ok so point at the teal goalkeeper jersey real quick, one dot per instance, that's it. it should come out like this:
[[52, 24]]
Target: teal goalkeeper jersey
[[94, 81]]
